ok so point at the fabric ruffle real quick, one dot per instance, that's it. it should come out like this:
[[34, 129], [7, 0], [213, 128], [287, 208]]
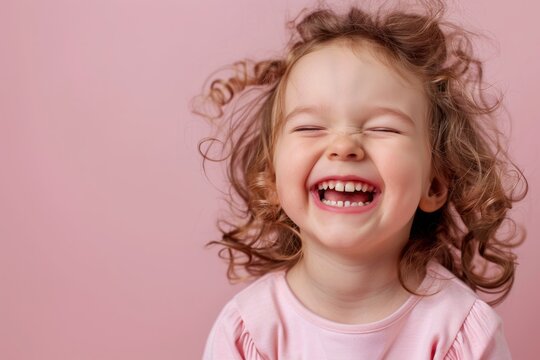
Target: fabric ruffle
[[480, 337]]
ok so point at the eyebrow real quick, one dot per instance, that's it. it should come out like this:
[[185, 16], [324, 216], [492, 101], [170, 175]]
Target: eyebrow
[[380, 110], [313, 110], [372, 111]]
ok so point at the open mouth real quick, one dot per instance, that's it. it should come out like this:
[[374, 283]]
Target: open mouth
[[338, 193]]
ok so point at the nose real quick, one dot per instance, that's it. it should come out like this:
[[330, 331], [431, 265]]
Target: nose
[[345, 148]]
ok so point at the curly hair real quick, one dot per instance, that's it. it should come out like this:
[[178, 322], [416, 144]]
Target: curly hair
[[467, 153]]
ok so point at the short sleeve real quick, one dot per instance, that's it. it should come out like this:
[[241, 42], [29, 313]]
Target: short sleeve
[[229, 339], [480, 337]]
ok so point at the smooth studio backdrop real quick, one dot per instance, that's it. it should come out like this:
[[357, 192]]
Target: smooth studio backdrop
[[104, 208]]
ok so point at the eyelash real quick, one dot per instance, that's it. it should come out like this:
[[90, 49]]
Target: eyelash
[[313, 128], [306, 128], [388, 130]]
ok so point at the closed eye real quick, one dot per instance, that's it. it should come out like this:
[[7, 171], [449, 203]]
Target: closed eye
[[385, 130], [307, 128]]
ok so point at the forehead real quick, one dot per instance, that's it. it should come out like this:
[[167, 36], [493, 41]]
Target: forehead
[[340, 76]]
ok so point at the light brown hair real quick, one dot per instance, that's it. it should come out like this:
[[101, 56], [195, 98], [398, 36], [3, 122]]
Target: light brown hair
[[467, 153]]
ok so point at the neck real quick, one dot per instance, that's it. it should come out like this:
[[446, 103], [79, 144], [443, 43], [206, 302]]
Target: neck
[[348, 292]]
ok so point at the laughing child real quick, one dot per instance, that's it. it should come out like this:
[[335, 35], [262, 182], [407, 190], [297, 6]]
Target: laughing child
[[368, 190]]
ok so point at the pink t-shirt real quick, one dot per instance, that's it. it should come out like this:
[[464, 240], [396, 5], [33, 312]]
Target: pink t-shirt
[[267, 321]]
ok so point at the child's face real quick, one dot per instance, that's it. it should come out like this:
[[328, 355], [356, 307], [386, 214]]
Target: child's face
[[351, 122]]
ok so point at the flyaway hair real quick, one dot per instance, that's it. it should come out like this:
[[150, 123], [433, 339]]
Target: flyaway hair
[[471, 235]]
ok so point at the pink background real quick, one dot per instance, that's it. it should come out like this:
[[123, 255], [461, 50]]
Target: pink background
[[104, 209]]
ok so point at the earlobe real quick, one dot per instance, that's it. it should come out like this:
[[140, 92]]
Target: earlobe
[[435, 197]]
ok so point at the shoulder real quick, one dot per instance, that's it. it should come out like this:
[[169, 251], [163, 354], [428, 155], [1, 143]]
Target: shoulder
[[480, 337], [471, 328], [445, 291], [236, 327], [259, 294]]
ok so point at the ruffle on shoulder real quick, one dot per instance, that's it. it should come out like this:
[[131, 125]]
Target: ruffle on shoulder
[[245, 345], [230, 339], [480, 337]]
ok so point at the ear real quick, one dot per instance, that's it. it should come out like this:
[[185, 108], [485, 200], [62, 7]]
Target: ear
[[435, 196]]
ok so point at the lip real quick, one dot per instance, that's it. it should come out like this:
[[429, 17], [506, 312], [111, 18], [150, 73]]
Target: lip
[[345, 210]]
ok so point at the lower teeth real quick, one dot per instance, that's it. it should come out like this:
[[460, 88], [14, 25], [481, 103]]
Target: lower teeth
[[344, 203]]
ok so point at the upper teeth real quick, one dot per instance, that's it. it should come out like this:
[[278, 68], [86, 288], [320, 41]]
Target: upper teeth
[[347, 186]]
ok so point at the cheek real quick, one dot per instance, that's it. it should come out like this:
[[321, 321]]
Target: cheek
[[291, 161], [292, 168], [406, 170], [284, 178], [291, 198], [290, 176]]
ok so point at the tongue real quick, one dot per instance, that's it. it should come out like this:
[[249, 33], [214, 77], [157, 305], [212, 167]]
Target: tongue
[[357, 196]]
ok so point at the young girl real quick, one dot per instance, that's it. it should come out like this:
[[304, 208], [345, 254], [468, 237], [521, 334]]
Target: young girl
[[368, 195]]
